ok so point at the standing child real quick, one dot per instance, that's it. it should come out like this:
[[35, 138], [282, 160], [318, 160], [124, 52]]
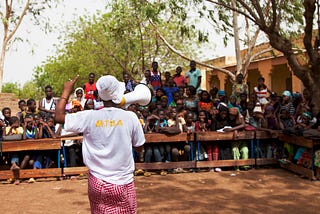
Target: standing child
[[179, 79], [47, 105], [240, 87], [155, 76], [261, 92]]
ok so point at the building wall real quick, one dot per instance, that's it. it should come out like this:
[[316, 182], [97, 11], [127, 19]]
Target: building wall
[[276, 72]]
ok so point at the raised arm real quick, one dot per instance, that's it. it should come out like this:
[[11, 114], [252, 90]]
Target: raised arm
[[60, 108]]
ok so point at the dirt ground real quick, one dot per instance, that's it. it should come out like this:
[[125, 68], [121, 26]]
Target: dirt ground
[[253, 191]]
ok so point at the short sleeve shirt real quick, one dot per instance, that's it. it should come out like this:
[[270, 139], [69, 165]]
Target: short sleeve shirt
[[108, 137], [194, 76]]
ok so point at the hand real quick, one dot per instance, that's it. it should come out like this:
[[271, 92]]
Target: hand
[[68, 86], [227, 129]]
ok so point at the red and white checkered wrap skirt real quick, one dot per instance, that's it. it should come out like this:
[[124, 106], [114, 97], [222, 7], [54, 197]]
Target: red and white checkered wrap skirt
[[110, 198]]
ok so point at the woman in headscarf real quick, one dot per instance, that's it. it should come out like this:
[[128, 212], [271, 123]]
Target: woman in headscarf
[[287, 102], [80, 96]]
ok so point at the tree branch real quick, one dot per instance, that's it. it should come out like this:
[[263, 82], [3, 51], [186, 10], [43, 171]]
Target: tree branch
[[253, 16], [310, 8], [236, 37], [274, 15], [23, 13], [225, 71], [258, 8], [248, 59], [110, 54]]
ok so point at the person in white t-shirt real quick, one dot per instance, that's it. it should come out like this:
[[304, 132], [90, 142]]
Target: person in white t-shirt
[[108, 137], [47, 104]]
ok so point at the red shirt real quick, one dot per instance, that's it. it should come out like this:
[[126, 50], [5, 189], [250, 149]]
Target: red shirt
[[155, 79], [180, 81], [205, 106], [90, 88]]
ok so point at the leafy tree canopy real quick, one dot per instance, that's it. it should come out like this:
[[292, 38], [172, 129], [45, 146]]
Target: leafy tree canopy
[[122, 40]]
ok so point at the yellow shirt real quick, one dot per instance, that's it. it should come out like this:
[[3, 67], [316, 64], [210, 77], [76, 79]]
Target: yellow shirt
[[18, 130]]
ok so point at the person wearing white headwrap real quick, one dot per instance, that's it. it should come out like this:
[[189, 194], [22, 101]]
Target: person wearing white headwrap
[[108, 137], [80, 96], [287, 102]]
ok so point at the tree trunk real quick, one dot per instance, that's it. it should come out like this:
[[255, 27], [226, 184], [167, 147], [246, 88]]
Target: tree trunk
[[315, 83], [2, 57], [236, 38], [8, 35], [316, 97]]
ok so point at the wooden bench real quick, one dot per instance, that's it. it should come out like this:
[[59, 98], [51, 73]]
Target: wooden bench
[[34, 144], [301, 142], [263, 135], [55, 144], [220, 137], [162, 138], [31, 145]]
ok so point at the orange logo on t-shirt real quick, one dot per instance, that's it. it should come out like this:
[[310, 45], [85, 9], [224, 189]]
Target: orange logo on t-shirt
[[108, 123]]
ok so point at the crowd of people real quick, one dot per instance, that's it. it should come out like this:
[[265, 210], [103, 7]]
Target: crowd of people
[[178, 105]]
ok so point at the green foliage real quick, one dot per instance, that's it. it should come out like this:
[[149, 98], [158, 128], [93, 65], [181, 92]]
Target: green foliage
[[11, 88], [29, 90], [120, 41]]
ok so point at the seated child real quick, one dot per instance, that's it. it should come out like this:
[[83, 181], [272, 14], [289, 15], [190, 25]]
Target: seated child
[[47, 129], [176, 123], [14, 128], [30, 132]]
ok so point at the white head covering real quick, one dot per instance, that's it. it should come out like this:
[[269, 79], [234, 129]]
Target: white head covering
[[257, 108], [82, 99], [75, 92], [109, 88]]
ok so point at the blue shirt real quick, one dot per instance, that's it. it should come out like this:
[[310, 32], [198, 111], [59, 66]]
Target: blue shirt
[[194, 76], [169, 93]]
